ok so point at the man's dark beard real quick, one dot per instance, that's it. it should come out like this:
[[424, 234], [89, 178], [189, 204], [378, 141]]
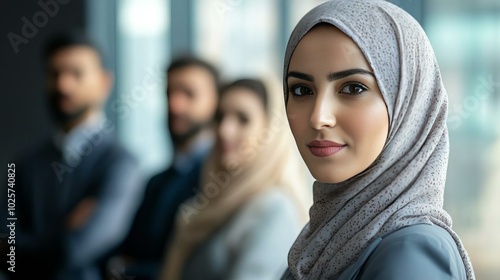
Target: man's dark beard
[[180, 139], [62, 117]]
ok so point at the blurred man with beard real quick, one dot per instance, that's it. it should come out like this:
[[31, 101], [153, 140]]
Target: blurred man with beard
[[76, 195], [192, 92]]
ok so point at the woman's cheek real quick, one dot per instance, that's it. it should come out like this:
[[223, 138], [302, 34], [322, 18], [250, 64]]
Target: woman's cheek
[[368, 129], [297, 125]]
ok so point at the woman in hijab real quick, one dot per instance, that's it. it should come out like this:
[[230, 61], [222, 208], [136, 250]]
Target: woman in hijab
[[250, 208], [367, 108]]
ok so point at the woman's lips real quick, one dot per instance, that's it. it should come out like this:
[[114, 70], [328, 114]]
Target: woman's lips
[[226, 147], [324, 148]]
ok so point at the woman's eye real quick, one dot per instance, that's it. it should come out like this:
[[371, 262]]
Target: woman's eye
[[218, 116], [353, 89], [243, 119], [300, 91]]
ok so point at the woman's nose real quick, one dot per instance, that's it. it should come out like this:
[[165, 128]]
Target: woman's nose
[[323, 112], [226, 128]]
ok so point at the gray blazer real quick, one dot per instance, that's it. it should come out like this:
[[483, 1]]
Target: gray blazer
[[45, 248], [416, 252], [253, 245]]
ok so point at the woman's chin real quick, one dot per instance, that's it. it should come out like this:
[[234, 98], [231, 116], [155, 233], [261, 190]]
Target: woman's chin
[[229, 162], [329, 178]]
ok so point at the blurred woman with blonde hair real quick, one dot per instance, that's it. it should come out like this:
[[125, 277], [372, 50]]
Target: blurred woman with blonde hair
[[249, 208]]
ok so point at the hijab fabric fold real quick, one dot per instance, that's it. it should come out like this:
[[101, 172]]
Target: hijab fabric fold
[[405, 184]]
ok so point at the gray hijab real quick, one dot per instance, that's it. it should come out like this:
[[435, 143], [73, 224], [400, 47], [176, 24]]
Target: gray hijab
[[405, 185]]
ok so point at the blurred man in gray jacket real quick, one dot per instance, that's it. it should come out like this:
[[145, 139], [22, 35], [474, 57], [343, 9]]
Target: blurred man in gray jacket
[[77, 193]]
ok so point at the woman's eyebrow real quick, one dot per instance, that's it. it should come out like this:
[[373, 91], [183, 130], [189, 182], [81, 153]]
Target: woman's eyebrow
[[342, 74], [301, 76], [332, 76]]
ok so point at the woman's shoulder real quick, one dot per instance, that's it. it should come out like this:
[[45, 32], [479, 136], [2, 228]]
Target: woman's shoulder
[[271, 211], [272, 201], [421, 251], [418, 235]]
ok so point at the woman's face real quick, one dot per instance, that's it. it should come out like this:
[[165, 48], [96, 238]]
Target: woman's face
[[336, 112], [241, 119]]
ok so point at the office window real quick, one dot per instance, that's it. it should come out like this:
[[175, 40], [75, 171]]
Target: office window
[[466, 38], [240, 36], [140, 108]]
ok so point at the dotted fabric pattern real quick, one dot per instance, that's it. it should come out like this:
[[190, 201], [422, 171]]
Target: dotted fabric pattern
[[405, 184]]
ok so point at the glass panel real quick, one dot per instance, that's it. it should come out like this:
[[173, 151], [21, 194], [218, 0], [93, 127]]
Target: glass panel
[[239, 36], [299, 8], [141, 105], [466, 38]]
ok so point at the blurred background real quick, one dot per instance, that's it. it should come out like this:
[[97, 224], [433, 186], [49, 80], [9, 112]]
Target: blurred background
[[140, 37]]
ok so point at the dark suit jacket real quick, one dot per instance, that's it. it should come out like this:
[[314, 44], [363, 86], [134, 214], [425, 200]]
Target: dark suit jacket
[[154, 221], [48, 189]]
